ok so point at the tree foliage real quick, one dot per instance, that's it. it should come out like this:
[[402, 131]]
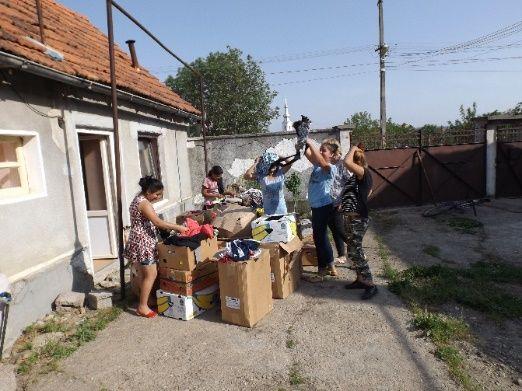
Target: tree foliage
[[237, 96], [466, 118]]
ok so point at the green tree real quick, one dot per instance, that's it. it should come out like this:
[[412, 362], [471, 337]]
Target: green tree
[[293, 184], [465, 121], [237, 96]]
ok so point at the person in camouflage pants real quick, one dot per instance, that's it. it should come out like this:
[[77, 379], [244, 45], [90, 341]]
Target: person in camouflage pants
[[355, 228]]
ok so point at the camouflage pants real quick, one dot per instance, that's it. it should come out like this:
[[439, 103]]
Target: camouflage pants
[[355, 228]]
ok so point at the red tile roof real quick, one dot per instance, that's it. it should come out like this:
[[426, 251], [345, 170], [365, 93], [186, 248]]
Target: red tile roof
[[84, 47]]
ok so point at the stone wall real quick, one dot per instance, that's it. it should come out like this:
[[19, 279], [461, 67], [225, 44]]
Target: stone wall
[[236, 153]]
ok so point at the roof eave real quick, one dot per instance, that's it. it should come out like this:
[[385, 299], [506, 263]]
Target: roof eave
[[49, 73]]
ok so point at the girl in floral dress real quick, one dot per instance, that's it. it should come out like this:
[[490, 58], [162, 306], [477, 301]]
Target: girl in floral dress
[[141, 246]]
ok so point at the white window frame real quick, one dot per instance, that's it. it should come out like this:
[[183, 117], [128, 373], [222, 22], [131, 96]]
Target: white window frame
[[30, 167]]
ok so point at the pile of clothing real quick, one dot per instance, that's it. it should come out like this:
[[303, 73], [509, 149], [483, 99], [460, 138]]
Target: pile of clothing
[[191, 239], [239, 250], [253, 198]]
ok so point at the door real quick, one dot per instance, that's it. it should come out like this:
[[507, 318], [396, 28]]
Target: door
[[96, 171]]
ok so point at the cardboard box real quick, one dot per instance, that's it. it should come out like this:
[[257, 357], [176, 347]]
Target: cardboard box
[[285, 263], [308, 255], [245, 290], [187, 307], [202, 269], [234, 222], [183, 258], [188, 288], [274, 229]]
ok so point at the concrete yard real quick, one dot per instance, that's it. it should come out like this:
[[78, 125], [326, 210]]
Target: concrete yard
[[321, 338]]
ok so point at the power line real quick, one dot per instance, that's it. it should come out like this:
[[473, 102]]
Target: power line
[[315, 54], [321, 78], [321, 68]]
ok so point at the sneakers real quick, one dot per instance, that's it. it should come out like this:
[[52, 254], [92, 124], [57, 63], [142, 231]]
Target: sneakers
[[340, 260], [369, 292]]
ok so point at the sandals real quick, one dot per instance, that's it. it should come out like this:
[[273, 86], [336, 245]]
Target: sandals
[[150, 314]]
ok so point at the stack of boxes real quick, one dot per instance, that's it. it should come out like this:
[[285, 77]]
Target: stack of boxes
[[188, 280]]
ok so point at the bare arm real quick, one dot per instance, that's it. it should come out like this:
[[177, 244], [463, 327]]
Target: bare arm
[[250, 174], [208, 194], [315, 157], [148, 211], [351, 165]]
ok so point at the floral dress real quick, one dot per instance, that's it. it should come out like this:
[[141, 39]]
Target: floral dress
[[141, 246]]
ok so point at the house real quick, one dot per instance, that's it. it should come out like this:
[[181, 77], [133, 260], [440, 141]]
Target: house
[[57, 172]]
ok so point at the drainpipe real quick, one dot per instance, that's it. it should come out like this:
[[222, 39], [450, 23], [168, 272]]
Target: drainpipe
[[40, 20], [132, 50]]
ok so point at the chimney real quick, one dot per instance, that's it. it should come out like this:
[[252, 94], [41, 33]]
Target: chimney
[[40, 20], [132, 51]]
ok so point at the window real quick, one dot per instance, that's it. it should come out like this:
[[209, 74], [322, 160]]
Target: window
[[13, 173], [22, 174], [149, 157]]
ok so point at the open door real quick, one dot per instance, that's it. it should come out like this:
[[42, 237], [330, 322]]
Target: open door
[[96, 170]]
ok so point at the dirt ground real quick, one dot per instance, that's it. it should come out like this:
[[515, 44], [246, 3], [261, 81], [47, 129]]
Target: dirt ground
[[322, 337]]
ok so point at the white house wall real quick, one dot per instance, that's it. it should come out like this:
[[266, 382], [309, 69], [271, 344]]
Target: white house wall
[[44, 241]]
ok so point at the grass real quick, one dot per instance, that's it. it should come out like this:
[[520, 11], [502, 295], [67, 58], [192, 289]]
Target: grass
[[474, 287], [431, 250], [290, 343], [295, 377], [46, 359], [464, 224], [439, 328]]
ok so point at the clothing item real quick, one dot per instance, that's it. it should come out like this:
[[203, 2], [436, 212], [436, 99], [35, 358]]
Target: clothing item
[[148, 262], [339, 181], [336, 225], [239, 250], [141, 244], [355, 194], [320, 186], [302, 128], [273, 193], [253, 198], [192, 242], [320, 218], [213, 187], [355, 230], [194, 228], [265, 162]]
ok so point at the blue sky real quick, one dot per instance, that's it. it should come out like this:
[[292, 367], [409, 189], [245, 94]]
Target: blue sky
[[342, 33]]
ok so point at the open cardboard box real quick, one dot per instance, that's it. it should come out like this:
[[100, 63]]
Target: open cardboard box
[[245, 290], [183, 258], [285, 265]]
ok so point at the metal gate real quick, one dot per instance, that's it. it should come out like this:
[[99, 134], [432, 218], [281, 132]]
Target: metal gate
[[509, 162], [432, 167]]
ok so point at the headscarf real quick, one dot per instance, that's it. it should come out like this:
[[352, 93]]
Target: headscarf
[[265, 162]]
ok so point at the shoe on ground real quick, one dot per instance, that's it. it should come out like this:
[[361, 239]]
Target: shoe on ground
[[369, 292], [340, 260], [356, 285], [322, 272], [331, 271]]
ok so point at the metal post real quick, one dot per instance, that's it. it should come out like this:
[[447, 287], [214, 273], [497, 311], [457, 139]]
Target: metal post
[[194, 71], [382, 71], [40, 20], [114, 95]]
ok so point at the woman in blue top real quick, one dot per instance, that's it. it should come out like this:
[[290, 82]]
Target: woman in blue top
[[321, 202], [271, 179]]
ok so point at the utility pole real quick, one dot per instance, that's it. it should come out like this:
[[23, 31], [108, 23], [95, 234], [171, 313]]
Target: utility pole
[[383, 50]]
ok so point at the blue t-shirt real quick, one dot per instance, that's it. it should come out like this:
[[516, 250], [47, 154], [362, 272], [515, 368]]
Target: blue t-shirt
[[320, 186], [273, 194]]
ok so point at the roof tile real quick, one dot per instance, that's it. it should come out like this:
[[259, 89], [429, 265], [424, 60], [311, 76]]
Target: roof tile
[[86, 55]]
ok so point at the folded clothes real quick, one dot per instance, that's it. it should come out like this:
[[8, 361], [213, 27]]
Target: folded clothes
[[239, 250]]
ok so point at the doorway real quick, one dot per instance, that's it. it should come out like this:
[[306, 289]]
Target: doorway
[[97, 182]]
